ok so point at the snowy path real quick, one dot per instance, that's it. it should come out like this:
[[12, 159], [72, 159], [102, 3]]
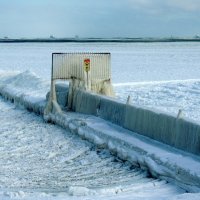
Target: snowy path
[[39, 157]]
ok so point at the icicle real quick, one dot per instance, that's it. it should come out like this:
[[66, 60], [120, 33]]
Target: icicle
[[180, 114], [129, 100]]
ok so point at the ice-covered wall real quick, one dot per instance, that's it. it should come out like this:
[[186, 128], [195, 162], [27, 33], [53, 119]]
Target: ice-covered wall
[[177, 132], [35, 104], [62, 94], [171, 166]]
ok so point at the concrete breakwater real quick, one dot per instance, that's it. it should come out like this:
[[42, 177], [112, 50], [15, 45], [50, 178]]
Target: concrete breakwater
[[180, 133], [149, 155], [176, 132]]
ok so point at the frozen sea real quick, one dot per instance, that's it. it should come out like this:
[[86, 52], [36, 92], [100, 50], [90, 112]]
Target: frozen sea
[[42, 161], [164, 76], [131, 62]]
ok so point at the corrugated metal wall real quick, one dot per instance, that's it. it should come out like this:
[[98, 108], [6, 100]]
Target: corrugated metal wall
[[68, 65]]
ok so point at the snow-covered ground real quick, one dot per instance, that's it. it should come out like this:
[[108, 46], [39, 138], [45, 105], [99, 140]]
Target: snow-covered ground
[[42, 161]]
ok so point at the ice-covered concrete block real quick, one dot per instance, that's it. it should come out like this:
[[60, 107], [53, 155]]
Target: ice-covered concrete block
[[85, 102], [187, 136], [169, 129], [158, 126], [112, 110]]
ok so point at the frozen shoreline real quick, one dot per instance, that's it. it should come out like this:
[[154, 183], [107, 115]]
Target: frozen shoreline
[[161, 160]]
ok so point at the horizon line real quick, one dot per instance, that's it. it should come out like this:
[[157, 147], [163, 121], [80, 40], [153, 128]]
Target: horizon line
[[102, 39]]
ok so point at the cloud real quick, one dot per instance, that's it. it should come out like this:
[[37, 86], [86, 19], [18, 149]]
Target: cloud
[[158, 6], [185, 5]]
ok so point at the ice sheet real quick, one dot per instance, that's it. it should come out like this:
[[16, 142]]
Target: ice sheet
[[131, 62]]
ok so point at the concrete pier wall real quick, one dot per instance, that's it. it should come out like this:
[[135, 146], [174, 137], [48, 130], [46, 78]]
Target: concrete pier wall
[[177, 132]]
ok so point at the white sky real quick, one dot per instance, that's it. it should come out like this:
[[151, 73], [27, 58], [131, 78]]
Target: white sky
[[99, 18]]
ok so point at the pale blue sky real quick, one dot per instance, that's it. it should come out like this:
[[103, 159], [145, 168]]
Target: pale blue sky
[[99, 18]]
